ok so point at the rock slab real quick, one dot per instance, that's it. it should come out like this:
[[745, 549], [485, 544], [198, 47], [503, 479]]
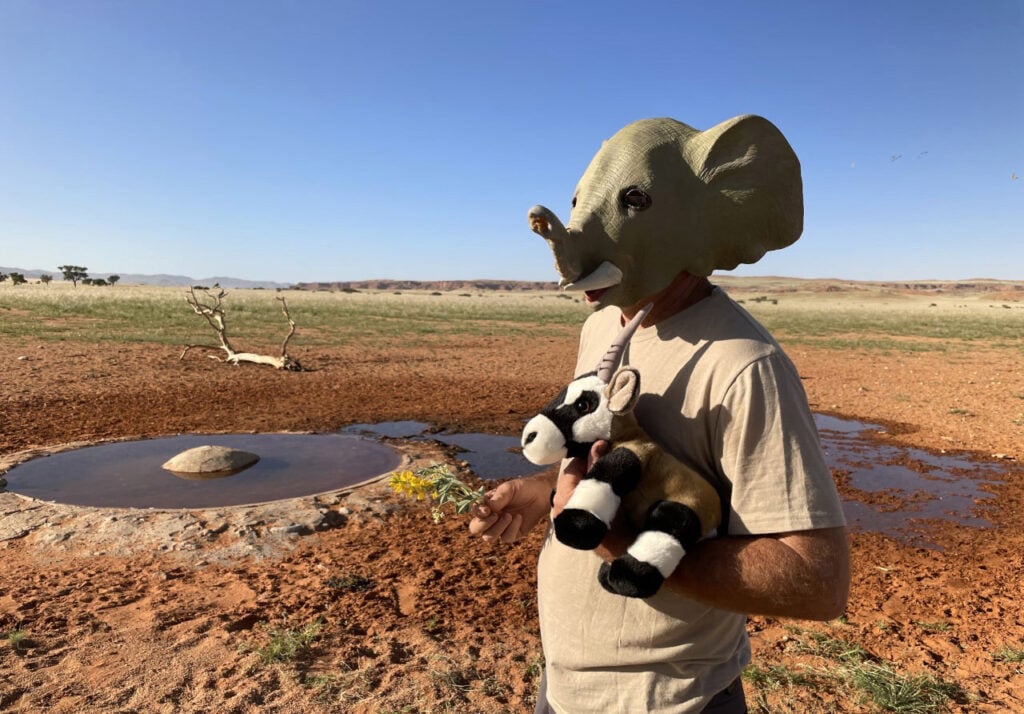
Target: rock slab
[[211, 460]]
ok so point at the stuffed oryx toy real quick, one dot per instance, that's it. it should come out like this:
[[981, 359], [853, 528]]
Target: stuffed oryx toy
[[670, 505]]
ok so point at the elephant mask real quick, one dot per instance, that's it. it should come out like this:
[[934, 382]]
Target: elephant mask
[[661, 197]]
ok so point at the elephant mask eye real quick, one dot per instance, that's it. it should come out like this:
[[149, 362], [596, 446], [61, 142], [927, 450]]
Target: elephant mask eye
[[635, 198]]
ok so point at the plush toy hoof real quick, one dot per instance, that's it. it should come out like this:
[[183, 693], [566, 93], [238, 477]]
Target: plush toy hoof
[[630, 577], [579, 529]]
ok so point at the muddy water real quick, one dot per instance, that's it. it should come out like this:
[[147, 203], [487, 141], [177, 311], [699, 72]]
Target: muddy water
[[490, 456], [896, 488], [887, 488], [129, 474]]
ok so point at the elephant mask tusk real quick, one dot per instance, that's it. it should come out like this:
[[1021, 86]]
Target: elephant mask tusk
[[604, 276]]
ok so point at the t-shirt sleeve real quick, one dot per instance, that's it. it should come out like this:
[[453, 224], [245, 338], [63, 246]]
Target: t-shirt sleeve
[[771, 455]]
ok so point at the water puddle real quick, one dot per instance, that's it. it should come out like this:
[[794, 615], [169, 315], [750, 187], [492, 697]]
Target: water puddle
[[491, 457], [898, 487], [390, 429], [888, 489], [129, 475]]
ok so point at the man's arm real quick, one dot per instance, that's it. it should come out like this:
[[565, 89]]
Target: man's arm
[[803, 575]]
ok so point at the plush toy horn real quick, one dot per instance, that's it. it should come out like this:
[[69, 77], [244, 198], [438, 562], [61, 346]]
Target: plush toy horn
[[611, 358]]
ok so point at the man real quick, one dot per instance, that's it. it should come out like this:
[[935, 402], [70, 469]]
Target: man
[[660, 207]]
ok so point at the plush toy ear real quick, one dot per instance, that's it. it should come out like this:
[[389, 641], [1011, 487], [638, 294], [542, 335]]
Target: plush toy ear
[[755, 202], [624, 390]]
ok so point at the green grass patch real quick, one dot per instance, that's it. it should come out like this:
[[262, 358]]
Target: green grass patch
[[345, 686], [148, 314], [820, 644], [287, 644], [1012, 655], [936, 626], [892, 691], [848, 669], [776, 676], [898, 326], [18, 640], [254, 317], [350, 582]]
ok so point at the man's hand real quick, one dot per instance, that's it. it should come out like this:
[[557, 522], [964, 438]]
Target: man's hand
[[572, 474], [511, 510], [619, 536]]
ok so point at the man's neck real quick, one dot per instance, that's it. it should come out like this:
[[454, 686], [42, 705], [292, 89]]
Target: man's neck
[[684, 291]]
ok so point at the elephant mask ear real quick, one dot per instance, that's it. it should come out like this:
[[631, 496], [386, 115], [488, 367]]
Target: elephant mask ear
[[754, 201]]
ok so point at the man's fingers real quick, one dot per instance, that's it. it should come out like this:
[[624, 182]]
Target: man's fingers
[[577, 468], [497, 529], [480, 525], [498, 498], [514, 530]]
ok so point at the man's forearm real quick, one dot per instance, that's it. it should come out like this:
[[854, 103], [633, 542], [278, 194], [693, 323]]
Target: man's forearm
[[804, 575]]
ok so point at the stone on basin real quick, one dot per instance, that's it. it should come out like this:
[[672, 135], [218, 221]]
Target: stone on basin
[[210, 461]]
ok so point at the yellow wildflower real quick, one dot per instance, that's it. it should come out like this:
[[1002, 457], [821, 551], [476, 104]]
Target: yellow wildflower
[[436, 483], [412, 486]]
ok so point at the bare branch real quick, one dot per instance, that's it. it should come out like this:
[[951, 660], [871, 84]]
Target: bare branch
[[291, 327], [200, 347], [213, 311], [211, 307]]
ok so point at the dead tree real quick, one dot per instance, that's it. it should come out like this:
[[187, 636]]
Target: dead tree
[[210, 306]]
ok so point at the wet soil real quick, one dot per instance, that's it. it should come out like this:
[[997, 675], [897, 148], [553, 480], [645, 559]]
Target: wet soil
[[105, 610]]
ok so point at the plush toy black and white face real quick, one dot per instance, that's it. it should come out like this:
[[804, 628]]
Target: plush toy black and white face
[[581, 414], [567, 427]]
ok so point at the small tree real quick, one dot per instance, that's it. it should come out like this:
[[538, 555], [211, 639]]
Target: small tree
[[17, 278], [3, 277], [112, 279], [45, 279], [98, 281], [74, 273]]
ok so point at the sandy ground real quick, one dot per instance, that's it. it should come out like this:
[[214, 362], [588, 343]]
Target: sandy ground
[[401, 615]]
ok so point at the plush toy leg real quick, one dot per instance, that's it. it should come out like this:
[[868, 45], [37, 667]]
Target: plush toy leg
[[670, 528], [590, 510]]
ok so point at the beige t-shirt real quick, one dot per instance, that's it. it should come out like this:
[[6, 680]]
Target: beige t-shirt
[[719, 394]]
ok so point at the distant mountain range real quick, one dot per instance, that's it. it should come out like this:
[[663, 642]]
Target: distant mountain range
[[730, 282], [171, 281], [444, 285], [174, 281]]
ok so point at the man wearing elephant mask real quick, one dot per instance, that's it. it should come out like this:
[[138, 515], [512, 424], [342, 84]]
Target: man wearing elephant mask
[[660, 207]]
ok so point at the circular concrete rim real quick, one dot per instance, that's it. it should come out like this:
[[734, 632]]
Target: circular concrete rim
[[223, 535], [9, 461]]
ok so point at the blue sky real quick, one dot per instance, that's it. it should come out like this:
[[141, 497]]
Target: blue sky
[[301, 141]]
